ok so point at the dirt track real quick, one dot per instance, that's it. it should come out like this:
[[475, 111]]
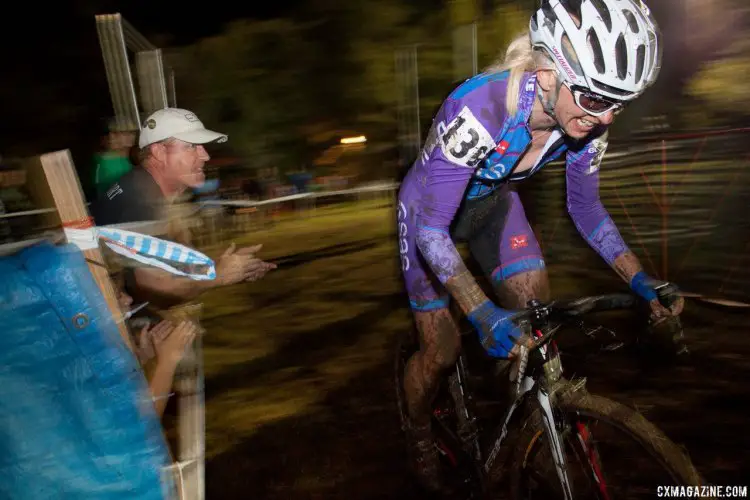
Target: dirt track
[[348, 444]]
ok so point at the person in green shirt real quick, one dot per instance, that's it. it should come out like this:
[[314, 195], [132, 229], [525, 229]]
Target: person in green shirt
[[114, 160]]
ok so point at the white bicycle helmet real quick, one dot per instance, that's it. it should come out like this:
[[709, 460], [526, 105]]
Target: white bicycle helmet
[[616, 44]]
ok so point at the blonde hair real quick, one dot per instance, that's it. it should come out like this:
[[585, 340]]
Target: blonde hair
[[519, 58]]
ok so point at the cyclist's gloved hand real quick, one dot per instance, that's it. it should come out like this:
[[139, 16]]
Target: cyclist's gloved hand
[[645, 286], [496, 330]]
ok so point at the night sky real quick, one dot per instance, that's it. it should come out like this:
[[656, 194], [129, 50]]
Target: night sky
[[54, 91]]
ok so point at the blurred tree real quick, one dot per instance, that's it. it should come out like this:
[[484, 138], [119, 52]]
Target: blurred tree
[[366, 34], [695, 32], [250, 81], [287, 90], [389, 25], [463, 11], [497, 30], [720, 83], [356, 77]]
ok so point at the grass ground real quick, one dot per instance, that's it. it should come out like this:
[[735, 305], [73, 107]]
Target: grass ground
[[318, 311]]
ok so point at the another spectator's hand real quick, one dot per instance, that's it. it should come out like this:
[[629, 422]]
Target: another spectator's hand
[[148, 338], [241, 265], [124, 300], [171, 344]]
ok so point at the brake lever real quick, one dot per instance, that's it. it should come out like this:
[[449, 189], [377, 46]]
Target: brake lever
[[667, 294], [539, 342]]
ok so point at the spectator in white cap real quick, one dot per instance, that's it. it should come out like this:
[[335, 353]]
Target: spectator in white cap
[[171, 149], [171, 157]]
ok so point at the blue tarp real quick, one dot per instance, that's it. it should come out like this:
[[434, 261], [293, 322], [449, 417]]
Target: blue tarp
[[76, 419]]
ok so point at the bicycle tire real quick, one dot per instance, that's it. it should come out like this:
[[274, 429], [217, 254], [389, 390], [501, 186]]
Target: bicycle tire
[[647, 435]]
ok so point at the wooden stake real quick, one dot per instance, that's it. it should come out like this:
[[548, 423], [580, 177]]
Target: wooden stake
[[68, 196]]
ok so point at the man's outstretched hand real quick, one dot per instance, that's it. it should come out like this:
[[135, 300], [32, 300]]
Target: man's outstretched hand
[[236, 266]]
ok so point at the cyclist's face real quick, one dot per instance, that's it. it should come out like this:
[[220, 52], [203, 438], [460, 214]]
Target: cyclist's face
[[576, 122]]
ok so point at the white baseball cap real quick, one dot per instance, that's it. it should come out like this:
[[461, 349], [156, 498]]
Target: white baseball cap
[[177, 123]]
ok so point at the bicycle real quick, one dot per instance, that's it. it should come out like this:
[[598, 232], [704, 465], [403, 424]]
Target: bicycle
[[545, 416]]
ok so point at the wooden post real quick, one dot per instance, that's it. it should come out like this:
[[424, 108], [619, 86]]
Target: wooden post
[[68, 196], [189, 386], [39, 192]]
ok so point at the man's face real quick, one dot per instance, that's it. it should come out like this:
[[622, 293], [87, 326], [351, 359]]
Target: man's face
[[576, 122], [184, 162]]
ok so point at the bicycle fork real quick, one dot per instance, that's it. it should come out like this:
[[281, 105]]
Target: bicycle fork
[[586, 441], [553, 370], [555, 442]]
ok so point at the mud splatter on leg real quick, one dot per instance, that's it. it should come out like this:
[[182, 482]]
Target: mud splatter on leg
[[516, 291], [440, 343]]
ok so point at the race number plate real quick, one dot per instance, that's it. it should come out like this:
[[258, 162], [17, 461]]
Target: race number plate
[[465, 141]]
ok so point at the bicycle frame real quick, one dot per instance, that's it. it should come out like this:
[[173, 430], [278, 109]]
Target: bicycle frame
[[540, 384], [539, 376]]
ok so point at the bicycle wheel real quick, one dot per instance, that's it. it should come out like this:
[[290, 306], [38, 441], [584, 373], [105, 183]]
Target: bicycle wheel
[[598, 467]]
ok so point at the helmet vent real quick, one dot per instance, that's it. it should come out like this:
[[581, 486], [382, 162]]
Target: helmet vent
[[611, 89], [570, 55], [640, 59], [573, 7], [621, 57], [632, 23], [550, 18], [596, 50], [603, 12]]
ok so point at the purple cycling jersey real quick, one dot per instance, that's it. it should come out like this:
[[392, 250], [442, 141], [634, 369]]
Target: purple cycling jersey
[[472, 148]]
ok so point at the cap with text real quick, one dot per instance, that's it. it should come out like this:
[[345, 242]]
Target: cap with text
[[179, 124]]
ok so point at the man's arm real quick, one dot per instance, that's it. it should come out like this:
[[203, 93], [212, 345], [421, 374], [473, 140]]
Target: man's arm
[[124, 204], [170, 343], [154, 280], [234, 266], [589, 215], [160, 378]]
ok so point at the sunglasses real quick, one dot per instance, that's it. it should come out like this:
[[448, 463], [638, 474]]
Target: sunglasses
[[592, 103]]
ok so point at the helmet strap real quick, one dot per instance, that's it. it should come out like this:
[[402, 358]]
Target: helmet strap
[[549, 103]]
